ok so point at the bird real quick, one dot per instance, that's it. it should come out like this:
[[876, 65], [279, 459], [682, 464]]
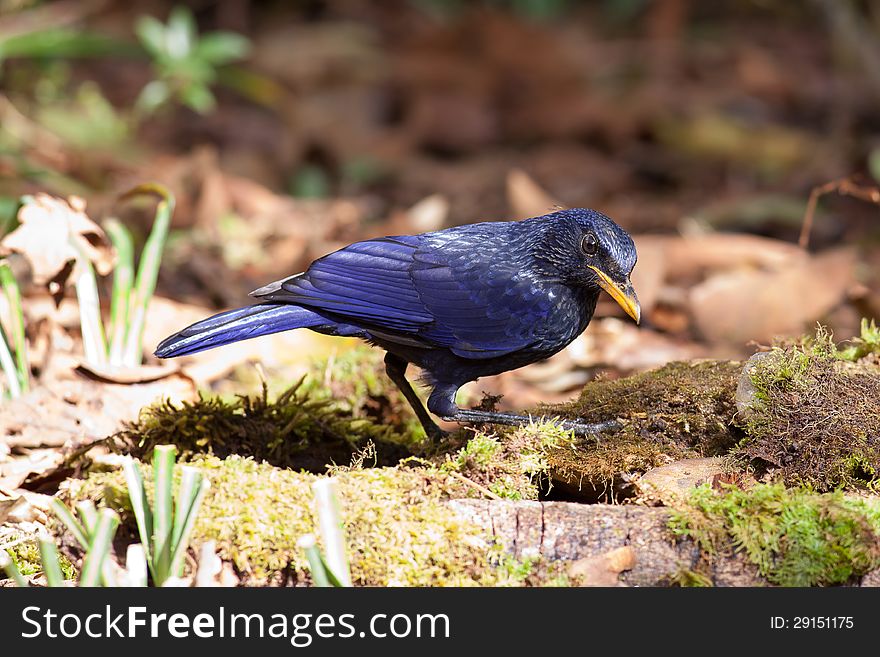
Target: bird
[[460, 303]]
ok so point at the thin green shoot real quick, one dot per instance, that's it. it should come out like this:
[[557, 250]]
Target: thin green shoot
[[148, 271], [123, 282], [13, 298]]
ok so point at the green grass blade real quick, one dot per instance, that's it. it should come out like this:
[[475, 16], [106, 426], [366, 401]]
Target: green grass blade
[[316, 563], [163, 511], [148, 270], [123, 282], [73, 525], [13, 297], [330, 524], [7, 363], [7, 564], [99, 548], [94, 342], [89, 516], [334, 581], [188, 512], [190, 480], [51, 563], [140, 507]]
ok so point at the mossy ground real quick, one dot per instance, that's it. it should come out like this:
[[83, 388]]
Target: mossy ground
[[815, 400], [681, 410], [795, 536], [24, 550], [815, 418], [398, 529], [512, 465], [324, 418]]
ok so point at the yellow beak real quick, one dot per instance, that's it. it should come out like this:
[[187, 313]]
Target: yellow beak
[[624, 295]]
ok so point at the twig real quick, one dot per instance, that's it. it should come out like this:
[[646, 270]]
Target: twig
[[473, 484], [844, 186]]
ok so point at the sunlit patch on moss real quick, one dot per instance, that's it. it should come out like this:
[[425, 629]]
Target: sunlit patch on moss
[[796, 537], [25, 554], [399, 530], [512, 464]]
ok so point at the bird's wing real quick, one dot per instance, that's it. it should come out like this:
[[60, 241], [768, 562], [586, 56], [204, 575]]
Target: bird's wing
[[481, 308], [408, 291]]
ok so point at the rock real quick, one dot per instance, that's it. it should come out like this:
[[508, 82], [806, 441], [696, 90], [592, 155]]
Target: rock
[[677, 479], [745, 389]]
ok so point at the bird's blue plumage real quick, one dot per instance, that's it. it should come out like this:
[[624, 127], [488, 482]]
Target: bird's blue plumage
[[433, 288], [461, 303]]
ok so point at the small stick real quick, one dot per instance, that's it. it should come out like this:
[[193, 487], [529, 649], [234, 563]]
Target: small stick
[[473, 484]]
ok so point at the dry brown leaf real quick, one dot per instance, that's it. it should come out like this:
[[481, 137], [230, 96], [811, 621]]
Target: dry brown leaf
[[744, 305], [429, 214], [650, 273], [118, 374], [691, 256], [80, 410], [604, 569], [612, 342], [9, 506], [52, 234], [526, 198]]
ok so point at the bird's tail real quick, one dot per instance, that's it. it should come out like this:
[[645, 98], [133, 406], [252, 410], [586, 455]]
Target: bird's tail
[[239, 324]]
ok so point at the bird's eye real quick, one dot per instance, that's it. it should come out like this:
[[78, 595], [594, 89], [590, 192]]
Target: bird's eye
[[589, 244]]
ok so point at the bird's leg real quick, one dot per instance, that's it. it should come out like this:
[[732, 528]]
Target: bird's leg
[[395, 368], [442, 403]]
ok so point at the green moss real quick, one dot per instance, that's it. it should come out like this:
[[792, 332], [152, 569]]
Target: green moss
[[513, 464], [689, 578], [815, 414], [25, 554], [399, 530], [298, 429], [681, 410], [796, 537], [867, 344]]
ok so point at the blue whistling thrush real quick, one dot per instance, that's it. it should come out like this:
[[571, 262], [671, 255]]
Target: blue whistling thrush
[[460, 303]]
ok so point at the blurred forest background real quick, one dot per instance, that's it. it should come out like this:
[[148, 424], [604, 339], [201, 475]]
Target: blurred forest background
[[289, 129]]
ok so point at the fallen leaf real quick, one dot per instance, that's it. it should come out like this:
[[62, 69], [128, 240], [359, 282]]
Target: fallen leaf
[[743, 305], [81, 410], [649, 275], [611, 342], [603, 569], [119, 374], [526, 198], [8, 506], [429, 214], [51, 235], [695, 255]]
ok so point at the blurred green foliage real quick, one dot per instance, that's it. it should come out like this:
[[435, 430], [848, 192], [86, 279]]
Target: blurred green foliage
[[185, 63]]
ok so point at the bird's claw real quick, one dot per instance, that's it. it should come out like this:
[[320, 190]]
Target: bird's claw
[[592, 429]]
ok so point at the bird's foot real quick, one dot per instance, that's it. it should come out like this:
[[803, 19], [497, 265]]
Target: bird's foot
[[590, 428]]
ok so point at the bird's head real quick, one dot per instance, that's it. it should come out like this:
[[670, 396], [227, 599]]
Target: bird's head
[[587, 249]]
